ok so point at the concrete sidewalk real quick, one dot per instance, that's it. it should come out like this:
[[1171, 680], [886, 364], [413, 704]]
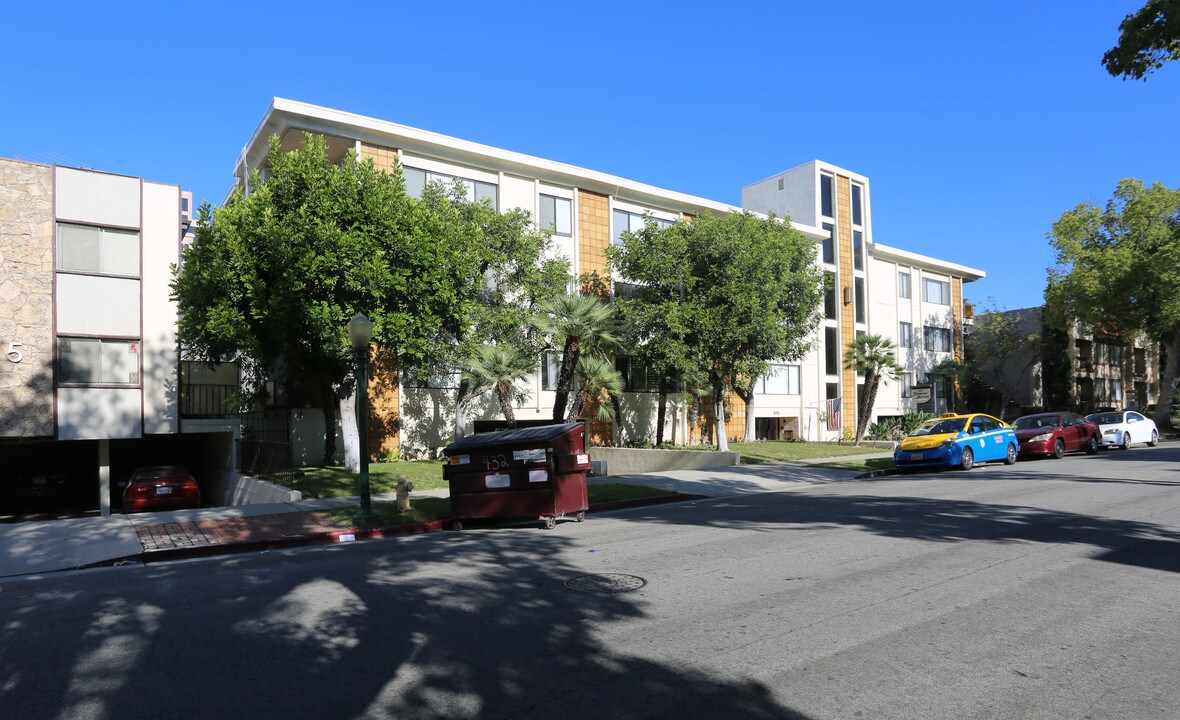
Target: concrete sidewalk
[[51, 545]]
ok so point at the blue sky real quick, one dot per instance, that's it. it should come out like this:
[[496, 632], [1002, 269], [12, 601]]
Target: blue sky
[[977, 124]]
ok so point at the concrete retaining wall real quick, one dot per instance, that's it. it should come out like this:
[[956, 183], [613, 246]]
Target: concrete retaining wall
[[632, 461], [245, 490]]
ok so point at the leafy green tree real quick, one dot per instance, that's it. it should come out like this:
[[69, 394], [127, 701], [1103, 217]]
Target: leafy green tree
[[499, 367], [598, 383], [1118, 269], [579, 323], [514, 272], [1148, 38], [1003, 348], [875, 357], [734, 289], [274, 275]]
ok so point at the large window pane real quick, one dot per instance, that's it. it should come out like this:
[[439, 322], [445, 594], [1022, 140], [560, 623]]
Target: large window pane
[[832, 350], [120, 252], [856, 212], [830, 295], [829, 255], [859, 297], [78, 248], [93, 361], [120, 362], [415, 181], [858, 255], [825, 195]]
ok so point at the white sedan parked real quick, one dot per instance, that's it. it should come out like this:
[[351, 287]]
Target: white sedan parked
[[1120, 429]]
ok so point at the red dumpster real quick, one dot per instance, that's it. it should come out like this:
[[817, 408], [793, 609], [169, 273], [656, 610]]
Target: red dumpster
[[524, 473]]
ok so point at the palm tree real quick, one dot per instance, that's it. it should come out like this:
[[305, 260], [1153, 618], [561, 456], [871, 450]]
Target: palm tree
[[579, 323], [873, 356], [499, 367], [598, 382]]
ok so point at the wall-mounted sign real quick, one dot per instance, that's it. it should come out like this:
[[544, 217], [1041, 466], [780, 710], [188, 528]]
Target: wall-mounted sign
[[922, 394], [15, 355]]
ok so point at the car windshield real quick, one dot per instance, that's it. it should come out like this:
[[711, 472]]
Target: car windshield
[[1035, 421], [1106, 418], [941, 427]]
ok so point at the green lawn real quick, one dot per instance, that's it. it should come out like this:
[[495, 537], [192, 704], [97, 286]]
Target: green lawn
[[761, 452], [426, 509], [327, 482]]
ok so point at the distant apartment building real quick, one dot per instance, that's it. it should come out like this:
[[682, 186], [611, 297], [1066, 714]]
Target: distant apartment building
[[1082, 369], [90, 383], [915, 300]]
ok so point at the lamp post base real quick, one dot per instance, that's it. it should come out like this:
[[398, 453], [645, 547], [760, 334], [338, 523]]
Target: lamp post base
[[365, 517]]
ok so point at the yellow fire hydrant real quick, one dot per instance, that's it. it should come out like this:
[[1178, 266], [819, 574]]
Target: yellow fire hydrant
[[404, 487]]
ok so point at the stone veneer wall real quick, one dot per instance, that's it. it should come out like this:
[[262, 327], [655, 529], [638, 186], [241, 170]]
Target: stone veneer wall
[[26, 299]]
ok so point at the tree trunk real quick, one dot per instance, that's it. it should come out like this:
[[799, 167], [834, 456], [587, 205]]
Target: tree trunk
[[868, 396], [462, 397], [870, 392], [565, 379], [719, 412], [350, 433], [577, 402], [1169, 381], [618, 421], [328, 404], [504, 394], [694, 417], [750, 429], [661, 411]]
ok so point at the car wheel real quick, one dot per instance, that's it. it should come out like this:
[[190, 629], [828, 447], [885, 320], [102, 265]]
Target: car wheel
[[968, 460], [1092, 445], [1155, 439], [1059, 449], [1126, 441], [1011, 459]]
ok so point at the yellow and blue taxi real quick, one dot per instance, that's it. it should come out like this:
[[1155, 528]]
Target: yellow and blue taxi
[[958, 441]]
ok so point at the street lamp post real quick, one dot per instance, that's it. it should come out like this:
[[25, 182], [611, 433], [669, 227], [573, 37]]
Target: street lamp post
[[360, 331]]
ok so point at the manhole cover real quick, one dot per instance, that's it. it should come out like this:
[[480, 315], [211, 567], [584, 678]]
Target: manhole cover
[[606, 583]]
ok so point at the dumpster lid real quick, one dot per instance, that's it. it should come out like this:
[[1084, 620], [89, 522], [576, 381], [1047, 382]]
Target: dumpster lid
[[511, 437]]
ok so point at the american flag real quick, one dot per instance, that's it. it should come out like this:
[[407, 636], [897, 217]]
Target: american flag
[[835, 421]]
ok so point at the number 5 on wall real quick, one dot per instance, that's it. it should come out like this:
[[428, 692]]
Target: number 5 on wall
[[15, 355]]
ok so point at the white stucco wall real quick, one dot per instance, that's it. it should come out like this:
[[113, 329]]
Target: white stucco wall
[[160, 247]]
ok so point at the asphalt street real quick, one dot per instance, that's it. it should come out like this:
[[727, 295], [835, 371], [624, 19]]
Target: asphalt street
[[1048, 589]]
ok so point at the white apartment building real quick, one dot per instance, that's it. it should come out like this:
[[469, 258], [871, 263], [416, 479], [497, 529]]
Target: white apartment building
[[915, 300]]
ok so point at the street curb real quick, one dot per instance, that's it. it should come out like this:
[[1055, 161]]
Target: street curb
[[351, 535]]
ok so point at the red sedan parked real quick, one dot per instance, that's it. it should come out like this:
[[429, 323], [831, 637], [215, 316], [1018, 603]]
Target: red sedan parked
[[1055, 434], [168, 487]]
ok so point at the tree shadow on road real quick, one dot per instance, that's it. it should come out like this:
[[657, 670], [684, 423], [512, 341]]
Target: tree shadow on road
[[444, 625]]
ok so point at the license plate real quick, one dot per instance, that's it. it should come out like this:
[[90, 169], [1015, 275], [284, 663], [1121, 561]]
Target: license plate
[[916, 456], [163, 491]]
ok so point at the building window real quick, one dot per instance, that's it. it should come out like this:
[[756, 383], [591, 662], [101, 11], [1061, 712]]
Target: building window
[[903, 284], [829, 245], [624, 221], [477, 190], [830, 295], [637, 377], [91, 361], [825, 195], [1116, 391], [858, 254], [83, 248], [937, 339], [550, 370], [781, 380], [936, 291], [858, 285], [856, 211], [832, 351], [556, 215], [905, 335], [907, 382]]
